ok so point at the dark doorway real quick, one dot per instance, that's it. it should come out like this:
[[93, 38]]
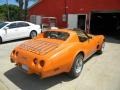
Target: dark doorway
[[105, 23], [81, 21]]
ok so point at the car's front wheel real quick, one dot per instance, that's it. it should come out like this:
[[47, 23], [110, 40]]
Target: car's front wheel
[[77, 66], [33, 34]]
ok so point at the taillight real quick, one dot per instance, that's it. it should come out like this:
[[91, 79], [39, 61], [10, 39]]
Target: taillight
[[13, 52], [42, 63], [35, 61]]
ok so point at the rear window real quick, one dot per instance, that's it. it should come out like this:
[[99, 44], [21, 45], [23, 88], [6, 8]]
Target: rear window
[[56, 35]]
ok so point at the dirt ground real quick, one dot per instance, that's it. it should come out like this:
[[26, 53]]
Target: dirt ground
[[100, 72]]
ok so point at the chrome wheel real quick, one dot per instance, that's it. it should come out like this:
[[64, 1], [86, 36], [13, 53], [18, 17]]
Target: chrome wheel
[[79, 65]]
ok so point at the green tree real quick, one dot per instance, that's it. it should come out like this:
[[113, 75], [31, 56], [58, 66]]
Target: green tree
[[23, 5], [3, 13], [13, 9], [2, 17], [20, 2], [26, 8]]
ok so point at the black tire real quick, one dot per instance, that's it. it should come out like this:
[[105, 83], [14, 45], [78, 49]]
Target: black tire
[[77, 66], [33, 34], [102, 49], [0, 40]]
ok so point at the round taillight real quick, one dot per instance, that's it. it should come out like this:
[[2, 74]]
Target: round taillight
[[13, 52], [42, 63], [35, 61]]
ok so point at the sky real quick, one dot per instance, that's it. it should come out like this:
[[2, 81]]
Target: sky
[[13, 2]]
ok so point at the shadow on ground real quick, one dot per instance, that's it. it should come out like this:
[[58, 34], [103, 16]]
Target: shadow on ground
[[33, 82]]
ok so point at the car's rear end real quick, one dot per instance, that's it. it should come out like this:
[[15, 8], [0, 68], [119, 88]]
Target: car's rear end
[[32, 55], [46, 54]]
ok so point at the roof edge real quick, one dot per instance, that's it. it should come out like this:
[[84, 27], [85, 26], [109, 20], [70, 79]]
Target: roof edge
[[35, 4]]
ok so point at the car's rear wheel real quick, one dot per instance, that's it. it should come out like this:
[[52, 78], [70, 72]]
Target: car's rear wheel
[[77, 66], [101, 49], [0, 40], [33, 34]]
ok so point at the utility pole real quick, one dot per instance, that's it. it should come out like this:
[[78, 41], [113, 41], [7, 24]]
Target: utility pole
[[8, 14], [65, 11]]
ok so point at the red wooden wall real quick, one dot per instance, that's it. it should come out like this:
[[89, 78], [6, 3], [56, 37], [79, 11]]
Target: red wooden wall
[[57, 8]]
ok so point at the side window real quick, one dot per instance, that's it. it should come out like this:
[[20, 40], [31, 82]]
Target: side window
[[26, 24], [82, 37], [13, 25], [22, 24]]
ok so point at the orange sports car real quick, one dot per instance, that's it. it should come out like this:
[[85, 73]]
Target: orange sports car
[[56, 51]]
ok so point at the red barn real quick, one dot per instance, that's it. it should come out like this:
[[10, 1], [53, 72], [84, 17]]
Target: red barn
[[98, 16]]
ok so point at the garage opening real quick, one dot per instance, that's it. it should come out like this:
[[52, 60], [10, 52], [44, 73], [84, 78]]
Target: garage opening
[[105, 23]]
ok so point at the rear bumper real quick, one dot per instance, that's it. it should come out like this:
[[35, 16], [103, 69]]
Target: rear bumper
[[28, 68]]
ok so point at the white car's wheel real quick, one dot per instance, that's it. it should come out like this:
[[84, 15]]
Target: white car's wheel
[[33, 34]]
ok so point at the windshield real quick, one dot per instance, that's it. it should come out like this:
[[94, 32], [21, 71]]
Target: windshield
[[2, 24], [56, 35]]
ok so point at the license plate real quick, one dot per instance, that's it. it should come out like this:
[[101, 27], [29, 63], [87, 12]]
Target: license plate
[[25, 67]]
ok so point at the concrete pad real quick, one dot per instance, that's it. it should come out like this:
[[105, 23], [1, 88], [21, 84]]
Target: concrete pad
[[100, 72]]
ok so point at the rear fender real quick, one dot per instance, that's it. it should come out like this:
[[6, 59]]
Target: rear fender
[[63, 57], [75, 52], [74, 56], [100, 39]]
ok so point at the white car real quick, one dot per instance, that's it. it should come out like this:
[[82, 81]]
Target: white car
[[18, 29]]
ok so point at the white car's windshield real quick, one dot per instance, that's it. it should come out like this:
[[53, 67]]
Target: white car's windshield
[[2, 24]]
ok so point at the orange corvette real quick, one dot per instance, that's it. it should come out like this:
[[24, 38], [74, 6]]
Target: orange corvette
[[57, 51]]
